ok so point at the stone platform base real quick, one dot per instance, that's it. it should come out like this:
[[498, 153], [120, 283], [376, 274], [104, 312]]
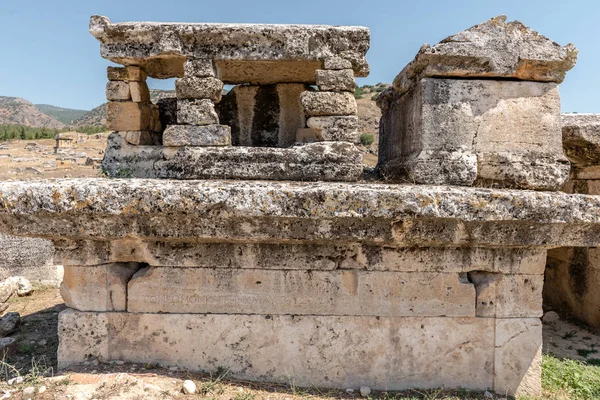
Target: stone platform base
[[384, 353]]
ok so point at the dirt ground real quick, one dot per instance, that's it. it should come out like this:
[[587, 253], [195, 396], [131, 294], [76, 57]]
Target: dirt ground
[[36, 362]]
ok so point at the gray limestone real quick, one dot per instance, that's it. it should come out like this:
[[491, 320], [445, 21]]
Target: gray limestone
[[200, 67], [328, 103], [118, 90], [581, 139], [196, 112], [335, 80], [199, 88], [193, 135]]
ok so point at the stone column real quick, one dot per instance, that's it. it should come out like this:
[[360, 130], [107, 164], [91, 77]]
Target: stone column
[[129, 111], [331, 111], [198, 122]]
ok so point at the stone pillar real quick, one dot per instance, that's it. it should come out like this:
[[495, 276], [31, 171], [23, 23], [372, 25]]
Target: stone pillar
[[198, 122], [480, 108], [129, 111], [331, 111]]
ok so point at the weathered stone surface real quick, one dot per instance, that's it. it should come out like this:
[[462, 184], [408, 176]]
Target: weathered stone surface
[[167, 111], [139, 92], [243, 53], [141, 138], [193, 135], [331, 352], [335, 80], [127, 74], [9, 323], [199, 88], [493, 49], [508, 295], [328, 103], [263, 116], [336, 63], [335, 128], [127, 116], [196, 112], [474, 131], [581, 139], [118, 90], [200, 67], [226, 291], [327, 161], [97, 288], [8, 347], [296, 212], [518, 358], [28, 257], [315, 257]]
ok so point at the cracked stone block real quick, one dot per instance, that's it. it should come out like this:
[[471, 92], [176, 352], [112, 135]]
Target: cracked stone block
[[336, 63], [221, 291], [196, 112], [127, 116], [321, 351], [199, 88], [126, 74], [328, 103], [518, 357], [465, 132], [335, 80], [97, 288], [335, 128], [139, 92], [200, 67], [194, 135], [263, 116], [118, 91]]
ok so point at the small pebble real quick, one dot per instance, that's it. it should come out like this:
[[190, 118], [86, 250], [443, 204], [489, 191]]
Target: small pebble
[[365, 391], [43, 342], [15, 381], [488, 395], [550, 317], [349, 390], [189, 387], [42, 389], [119, 362], [28, 393]]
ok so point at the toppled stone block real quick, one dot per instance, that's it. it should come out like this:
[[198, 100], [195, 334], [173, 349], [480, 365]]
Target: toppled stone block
[[193, 135], [333, 161], [335, 80], [335, 128], [127, 116], [581, 141], [139, 92], [450, 131], [118, 90], [196, 112], [493, 49], [462, 347], [200, 67], [328, 103], [126, 74], [97, 288], [222, 290], [199, 88], [336, 63]]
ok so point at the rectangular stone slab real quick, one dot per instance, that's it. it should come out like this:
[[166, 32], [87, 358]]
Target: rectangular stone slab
[[329, 161], [313, 351], [227, 291]]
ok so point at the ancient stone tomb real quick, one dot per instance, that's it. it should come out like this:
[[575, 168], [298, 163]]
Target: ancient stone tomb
[[327, 284]]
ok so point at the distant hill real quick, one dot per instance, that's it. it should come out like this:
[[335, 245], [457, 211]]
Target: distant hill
[[95, 117], [18, 111], [64, 115]]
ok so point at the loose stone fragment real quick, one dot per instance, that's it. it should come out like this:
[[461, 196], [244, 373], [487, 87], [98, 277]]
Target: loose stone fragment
[[196, 112], [127, 116], [199, 88], [340, 80], [328, 103], [8, 347], [336, 63], [127, 74], [335, 128], [9, 323], [189, 387], [118, 90], [139, 92], [200, 67], [193, 135]]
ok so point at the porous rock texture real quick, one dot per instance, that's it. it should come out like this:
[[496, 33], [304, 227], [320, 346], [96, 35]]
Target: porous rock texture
[[28, 257], [581, 142]]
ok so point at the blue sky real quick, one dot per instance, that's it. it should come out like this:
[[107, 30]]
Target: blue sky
[[48, 56]]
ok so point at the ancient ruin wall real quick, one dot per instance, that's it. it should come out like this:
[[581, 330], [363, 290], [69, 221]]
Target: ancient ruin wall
[[28, 257]]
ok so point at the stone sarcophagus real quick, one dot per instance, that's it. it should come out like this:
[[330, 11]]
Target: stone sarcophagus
[[291, 114], [328, 284]]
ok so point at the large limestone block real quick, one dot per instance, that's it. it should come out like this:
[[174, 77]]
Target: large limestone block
[[263, 116], [139, 92], [326, 161], [243, 53], [518, 358], [335, 80], [127, 116], [199, 88], [199, 67], [581, 140], [118, 91], [196, 112], [493, 49], [227, 291], [312, 351], [193, 135], [126, 74], [97, 288], [328, 103], [474, 131], [335, 128]]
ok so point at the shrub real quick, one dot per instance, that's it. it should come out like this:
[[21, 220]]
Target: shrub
[[358, 93], [375, 96], [366, 139]]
